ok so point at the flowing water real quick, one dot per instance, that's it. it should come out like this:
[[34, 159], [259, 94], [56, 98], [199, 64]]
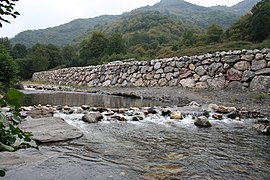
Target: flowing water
[[79, 98], [155, 148]]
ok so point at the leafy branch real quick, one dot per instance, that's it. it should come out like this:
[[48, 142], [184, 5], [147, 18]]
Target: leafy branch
[[7, 9]]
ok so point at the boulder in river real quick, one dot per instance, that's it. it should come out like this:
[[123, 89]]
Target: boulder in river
[[119, 117], [233, 115], [92, 117], [263, 128], [217, 116], [50, 129], [221, 109], [176, 115], [202, 121]]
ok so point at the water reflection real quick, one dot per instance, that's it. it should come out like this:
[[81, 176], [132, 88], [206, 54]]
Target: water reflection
[[78, 99]]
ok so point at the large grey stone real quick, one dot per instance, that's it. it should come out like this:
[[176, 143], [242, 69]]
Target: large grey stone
[[247, 57], [215, 68], [92, 117], [260, 83], [202, 121], [263, 71], [267, 57], [200, 70], [157, 66], [258, 64], [201, 85], [242, 65], [247, 75], [230, 58], [189, 82], [217, 82], [51, 129], [168, 69]]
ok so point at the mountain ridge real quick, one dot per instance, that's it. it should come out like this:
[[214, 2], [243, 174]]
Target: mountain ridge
[[199, 16]]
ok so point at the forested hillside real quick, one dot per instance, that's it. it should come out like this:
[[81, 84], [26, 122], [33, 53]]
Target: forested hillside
[[141, 34], [63, 34], [197, 16]]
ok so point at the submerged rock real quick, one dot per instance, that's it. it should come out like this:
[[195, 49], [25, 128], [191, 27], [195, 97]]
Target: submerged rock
[[92, 117], [202, 121], [50, 129]]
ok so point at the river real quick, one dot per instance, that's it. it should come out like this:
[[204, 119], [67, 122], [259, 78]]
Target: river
[[155, 148]]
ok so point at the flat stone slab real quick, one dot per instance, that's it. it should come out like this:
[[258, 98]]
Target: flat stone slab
[[50, 129]]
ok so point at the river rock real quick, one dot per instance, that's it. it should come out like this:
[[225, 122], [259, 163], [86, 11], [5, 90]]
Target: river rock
[[176, 115], [217, 116], [51, 129], [221, 109], [233, 115], [202, 121], [85, 107], [92, 117], [151, 110], [263, 128], [165, 112], [40, 113], [119, 117]]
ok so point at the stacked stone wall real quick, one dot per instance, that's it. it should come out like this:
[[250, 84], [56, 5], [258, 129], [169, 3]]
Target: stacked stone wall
[[233, 69]]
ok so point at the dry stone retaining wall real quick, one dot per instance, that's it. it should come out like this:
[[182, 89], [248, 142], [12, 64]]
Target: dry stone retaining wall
[[233, 69]]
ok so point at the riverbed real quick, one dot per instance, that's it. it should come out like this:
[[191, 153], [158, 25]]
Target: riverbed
[[154, 148]]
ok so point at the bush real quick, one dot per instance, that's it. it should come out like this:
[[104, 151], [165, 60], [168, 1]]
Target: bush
[[9, 69]]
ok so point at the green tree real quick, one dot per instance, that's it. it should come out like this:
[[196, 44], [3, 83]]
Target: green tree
[[40, 58], [188, 38], [240, 30], [7, 9], [54, 56], [9, 69], [6, 43], [26, 67], [116, 44], [70, 56], [19, 51], [214, 34], [92, 50], [260, 23]]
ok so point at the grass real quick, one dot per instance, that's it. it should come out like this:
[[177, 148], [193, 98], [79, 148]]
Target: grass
[[261, 96], [225, 46]]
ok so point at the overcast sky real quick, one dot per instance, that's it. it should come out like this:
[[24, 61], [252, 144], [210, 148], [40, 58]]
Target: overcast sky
[[40, 14]]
